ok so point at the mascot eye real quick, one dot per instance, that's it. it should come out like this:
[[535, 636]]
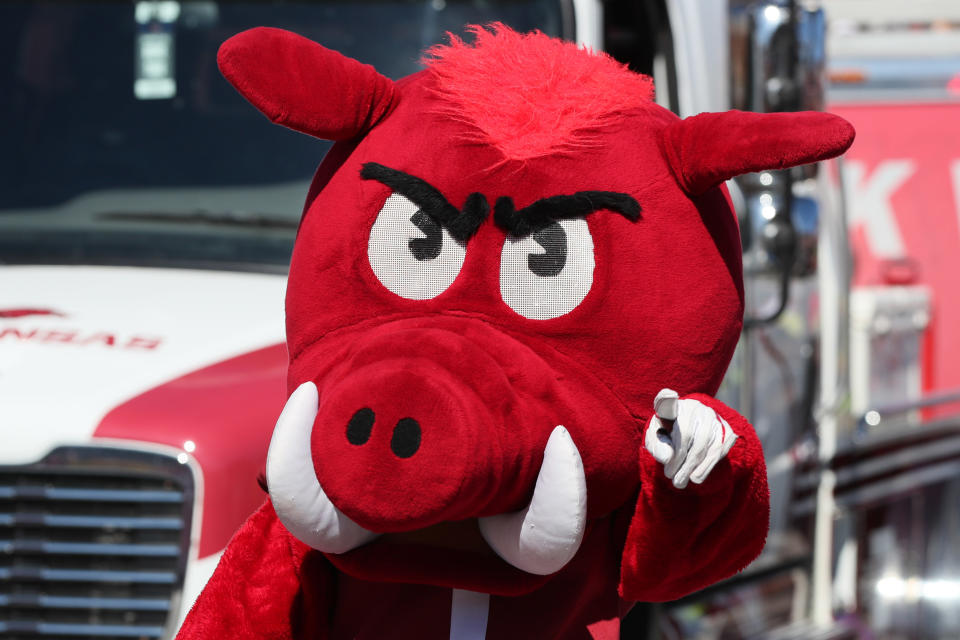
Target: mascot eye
[[410, 253], [548, 273]]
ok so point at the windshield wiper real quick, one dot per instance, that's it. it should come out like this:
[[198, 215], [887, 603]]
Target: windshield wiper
[[203, 216]]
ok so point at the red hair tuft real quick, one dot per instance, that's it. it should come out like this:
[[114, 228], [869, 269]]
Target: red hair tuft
[[531, 95]]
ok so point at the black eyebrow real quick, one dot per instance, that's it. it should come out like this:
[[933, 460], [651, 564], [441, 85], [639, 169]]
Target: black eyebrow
[[545, 211], [462, 225]]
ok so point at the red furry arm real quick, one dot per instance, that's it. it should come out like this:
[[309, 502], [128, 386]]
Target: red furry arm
[[682, 540], [256, 590]]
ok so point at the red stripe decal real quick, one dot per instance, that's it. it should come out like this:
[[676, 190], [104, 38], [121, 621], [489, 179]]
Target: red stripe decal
[[21, 313], [228, 410]]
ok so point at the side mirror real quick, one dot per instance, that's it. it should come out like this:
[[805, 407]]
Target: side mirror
[[778, 230], [778, 56], [774, 85], [778, 53], [778, 59]]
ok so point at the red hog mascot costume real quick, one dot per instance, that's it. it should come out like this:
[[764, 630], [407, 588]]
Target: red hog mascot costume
[[505, 263]]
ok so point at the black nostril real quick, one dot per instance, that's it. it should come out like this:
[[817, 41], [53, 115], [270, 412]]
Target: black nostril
[[360, 426], [406, 438]]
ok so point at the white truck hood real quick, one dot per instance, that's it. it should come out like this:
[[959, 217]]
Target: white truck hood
[[75, 342]]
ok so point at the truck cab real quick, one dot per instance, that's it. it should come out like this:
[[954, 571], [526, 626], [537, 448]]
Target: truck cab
[[147, 215]]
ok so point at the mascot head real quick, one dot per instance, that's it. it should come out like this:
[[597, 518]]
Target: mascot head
[[501, 261]]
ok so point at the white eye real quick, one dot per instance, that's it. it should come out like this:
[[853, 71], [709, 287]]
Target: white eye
[[548, 273], [410, 253]]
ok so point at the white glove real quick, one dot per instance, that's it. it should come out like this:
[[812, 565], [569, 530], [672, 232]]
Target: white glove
[[696, 441]]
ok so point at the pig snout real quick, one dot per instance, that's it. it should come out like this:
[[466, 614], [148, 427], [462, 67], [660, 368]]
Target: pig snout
[[399, 445], [421, 425], [417, 426]]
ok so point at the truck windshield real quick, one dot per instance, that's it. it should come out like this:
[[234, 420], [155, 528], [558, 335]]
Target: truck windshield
[[122, 143]]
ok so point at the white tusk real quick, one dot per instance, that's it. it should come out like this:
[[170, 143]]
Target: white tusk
[[299, 500], [546, 535]]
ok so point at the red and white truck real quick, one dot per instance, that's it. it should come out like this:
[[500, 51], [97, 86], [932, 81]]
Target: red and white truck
[[146, 219]]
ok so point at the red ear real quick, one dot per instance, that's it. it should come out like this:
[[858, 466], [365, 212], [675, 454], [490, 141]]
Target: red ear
[[706, 149], [299, 84]]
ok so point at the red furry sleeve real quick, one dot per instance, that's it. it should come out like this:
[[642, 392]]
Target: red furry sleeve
[[682, 540], [256, 590]]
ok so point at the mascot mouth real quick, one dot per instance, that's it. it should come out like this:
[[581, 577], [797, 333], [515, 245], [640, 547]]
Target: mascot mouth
[[537, 540], [449, 554]]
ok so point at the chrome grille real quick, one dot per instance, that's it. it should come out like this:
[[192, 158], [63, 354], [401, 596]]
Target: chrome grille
[[93, 544]]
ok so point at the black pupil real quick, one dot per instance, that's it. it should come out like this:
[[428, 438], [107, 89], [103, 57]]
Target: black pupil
[[551, 262], [426, 248]]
